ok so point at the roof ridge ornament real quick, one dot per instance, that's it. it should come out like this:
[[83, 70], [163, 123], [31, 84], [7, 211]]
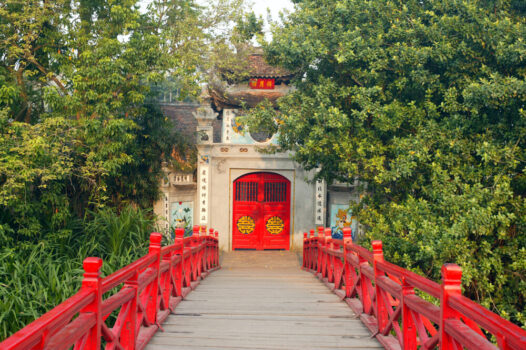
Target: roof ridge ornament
[[205, 117]]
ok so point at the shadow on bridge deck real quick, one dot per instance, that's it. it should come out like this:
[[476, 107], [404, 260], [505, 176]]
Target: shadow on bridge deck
[[262, 300]]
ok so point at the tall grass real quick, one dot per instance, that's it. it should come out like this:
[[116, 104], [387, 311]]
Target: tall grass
[[35, 278]]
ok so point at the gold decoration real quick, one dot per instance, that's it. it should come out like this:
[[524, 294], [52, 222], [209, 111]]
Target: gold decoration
[[245, 225], [275, 225]]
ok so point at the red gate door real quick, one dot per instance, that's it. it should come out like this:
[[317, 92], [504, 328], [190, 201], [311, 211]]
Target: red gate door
[[261, 217]]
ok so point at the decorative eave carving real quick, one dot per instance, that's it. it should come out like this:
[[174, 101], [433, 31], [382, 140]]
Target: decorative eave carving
[[236, 96]]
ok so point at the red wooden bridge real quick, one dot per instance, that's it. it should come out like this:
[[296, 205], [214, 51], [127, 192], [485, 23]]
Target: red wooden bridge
[[267, 302]]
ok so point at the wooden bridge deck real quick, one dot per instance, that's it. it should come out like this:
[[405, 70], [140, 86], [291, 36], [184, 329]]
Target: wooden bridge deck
[[262, 300]]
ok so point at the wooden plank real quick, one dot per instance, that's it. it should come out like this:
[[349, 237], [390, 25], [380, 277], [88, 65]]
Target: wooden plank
[[274, 327], [262, 300], [320, 319], [265, 341]]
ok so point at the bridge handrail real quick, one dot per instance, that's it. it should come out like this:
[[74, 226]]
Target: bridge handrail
[[123, 274], [426, 285], [514, 335], [388, 299], [152, 286]]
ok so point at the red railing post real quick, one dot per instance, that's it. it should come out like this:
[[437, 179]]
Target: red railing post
[[179, 240], [312, 254], [216, 249], [364, 287], [321, 238], [193, 253], [187, 264], [347, 276], [92, 281], [209, 250], [151, 304], [310, 251], [195, 231], [129, 332], [330, 258], [347, 234], [305, 248], [451, 285], [327, 258], [409, 341], [201, 251], [381, 307], [166, 283]]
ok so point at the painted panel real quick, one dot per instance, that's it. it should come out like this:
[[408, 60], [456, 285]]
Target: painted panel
[[235, 133], [182, 216], [239, 134], [203, 170], [340, 217], [319, 207], [262, 83]]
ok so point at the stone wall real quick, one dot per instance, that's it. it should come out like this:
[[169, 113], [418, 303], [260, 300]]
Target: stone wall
[[229, 162], [182, 116]]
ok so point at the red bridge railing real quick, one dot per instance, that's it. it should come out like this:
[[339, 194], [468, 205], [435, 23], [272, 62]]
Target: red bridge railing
[[388, 299], [149, 289]]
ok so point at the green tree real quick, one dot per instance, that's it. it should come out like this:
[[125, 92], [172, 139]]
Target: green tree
[[81, 138], [424, 102], [76, 89]]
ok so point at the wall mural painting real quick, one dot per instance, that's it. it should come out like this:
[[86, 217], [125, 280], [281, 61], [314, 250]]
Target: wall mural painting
[[341, 216], [240, 135], [182, 215]]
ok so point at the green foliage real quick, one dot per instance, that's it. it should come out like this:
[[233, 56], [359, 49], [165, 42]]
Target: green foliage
[[263, 118], [249, 26], [56, 170], [424, 102], [81, 138], [36, 278], [78, 129]]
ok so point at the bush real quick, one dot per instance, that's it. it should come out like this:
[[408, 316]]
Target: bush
[[36, 278], [423, 101]]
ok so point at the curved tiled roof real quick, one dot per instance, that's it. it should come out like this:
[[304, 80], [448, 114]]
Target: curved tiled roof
[[259, 68]]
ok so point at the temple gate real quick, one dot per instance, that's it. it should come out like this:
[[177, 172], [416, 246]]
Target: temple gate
[[261, 212]]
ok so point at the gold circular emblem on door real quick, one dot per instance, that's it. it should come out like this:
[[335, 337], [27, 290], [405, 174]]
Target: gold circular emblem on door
[[245, 225], [274, 225]]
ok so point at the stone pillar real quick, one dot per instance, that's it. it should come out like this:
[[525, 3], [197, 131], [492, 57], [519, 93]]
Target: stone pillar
[[205, 116]]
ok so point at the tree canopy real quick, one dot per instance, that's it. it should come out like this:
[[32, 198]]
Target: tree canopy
[[78, 126], [424, 103], [82, 138]]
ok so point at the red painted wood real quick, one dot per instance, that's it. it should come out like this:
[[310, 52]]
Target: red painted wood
[[151, 288], [409, 341], [262, 83], [383, 295], [261, 212]]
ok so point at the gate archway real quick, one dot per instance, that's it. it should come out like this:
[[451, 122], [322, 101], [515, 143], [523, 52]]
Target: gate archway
[[261, 212]]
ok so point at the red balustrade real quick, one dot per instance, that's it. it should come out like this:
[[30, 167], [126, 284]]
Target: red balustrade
[[144, 294], [389, 299]]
